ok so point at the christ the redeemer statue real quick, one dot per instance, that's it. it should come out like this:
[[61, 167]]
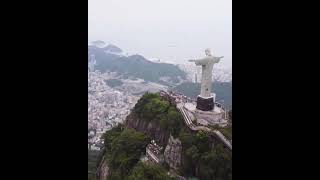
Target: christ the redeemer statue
[[205, 100]]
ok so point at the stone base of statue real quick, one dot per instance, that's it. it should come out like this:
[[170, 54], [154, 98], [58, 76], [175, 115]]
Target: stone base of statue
[[205, 103], [217, 116]]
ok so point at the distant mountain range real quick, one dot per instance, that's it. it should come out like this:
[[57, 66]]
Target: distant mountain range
[[181, 77], [111, 59]]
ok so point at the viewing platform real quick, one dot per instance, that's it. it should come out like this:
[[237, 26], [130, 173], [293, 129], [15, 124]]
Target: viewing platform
[[196, 119]]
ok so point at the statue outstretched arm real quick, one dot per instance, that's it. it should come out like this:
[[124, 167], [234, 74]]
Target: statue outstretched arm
[[217, 59], [199, 61]]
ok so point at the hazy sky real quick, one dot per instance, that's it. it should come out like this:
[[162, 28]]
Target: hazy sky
[[171, 30]]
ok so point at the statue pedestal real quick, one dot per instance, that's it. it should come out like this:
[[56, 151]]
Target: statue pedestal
[[205, 103]]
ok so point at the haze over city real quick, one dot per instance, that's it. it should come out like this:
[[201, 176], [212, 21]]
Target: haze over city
[[170, 30]]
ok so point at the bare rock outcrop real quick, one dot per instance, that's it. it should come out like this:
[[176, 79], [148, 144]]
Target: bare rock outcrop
[[150, 128], [172, 153]]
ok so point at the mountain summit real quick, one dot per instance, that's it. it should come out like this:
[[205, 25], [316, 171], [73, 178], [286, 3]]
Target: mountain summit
[[112, 48]]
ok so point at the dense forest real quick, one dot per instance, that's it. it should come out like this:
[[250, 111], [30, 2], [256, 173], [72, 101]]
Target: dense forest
[[204, 159], [124, 147], [202, 156], [146, 172], [151, 107]]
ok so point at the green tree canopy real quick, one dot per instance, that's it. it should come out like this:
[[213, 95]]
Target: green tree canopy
[[151, 107], [203, 160], [146, 172], [124, 151]]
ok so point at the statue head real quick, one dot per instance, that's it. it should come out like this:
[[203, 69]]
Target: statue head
[[208, 52]]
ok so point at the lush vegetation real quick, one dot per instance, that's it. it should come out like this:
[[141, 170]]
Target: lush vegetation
[[135, 65], [113, 82], [223, 91], [124, 148], [202, 156], [203, 159], [227, 132], [92, 177], [151, 107], [146, 172]]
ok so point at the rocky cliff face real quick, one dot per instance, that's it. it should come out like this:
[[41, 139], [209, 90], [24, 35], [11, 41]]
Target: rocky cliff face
[[151, 128], [172, 153], [103, 169]]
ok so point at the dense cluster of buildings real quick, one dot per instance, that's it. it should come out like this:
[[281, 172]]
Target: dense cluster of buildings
[[107, 107]]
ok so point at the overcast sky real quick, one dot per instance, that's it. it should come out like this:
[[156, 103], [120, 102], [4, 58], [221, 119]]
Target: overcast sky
[[171, 30]]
